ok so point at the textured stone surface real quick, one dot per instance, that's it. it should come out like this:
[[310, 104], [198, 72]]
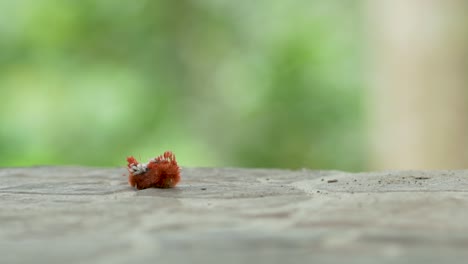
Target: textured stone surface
[[91, 215]]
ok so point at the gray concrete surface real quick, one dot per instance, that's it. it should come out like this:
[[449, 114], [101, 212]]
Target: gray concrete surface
[[91, 215]]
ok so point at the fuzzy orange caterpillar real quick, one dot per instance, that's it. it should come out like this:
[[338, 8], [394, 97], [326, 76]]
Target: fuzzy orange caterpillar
[[160, 172]]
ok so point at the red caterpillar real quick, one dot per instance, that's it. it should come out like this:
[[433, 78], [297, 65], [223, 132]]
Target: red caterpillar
[[160, 172]]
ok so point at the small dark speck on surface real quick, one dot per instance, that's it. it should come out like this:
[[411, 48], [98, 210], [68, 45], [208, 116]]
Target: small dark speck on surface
[[203, 189], [332, 181], [422, 178]]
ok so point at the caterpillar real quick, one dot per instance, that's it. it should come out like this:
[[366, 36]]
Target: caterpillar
[[160, 172]]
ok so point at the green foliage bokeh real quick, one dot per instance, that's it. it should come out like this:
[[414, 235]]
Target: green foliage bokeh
[[266, 83]]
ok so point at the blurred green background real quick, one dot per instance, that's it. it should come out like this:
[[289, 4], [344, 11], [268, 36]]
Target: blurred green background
[[267, 83]]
